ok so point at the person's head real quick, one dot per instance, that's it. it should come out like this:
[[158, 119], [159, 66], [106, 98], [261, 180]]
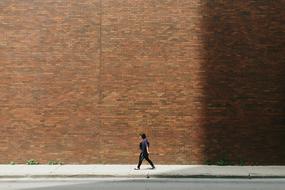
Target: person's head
[[143, 136]]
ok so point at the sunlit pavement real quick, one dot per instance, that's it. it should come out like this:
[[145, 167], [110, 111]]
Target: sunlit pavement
[[122, 171]]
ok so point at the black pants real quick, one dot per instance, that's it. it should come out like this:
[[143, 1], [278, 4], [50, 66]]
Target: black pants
[[142, 157]]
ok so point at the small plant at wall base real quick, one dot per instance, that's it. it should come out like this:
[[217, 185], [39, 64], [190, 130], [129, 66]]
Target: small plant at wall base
[[208, 162], [223, 162], [55, 162], [32, 162], [241, 162]]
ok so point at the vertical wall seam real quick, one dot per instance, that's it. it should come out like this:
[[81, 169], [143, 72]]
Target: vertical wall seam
[[100, 53], [99, 82], [100, 76]]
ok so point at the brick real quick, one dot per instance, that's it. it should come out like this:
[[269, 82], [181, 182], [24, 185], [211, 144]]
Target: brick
[[79, 80]]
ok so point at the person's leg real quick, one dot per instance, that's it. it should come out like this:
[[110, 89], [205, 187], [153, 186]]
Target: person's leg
[[149, 161], [140, 160]]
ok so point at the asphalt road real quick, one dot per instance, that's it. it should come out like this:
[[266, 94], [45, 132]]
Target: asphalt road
[[142, 184]]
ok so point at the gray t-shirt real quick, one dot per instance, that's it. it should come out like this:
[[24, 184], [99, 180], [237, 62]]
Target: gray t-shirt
[[143, 146]]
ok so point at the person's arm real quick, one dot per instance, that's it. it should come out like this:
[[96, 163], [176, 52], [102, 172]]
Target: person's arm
[[147, 148]]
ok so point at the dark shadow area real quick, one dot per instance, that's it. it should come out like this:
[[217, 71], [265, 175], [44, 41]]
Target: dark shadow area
[[244, 82]]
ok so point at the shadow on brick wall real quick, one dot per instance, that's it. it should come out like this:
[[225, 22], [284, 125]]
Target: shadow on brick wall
[[245, 72]]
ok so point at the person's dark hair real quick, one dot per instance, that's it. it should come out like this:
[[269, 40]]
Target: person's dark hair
[[143, 135]]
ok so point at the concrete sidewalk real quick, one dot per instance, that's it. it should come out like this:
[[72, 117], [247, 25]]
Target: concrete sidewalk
[[162, 171]]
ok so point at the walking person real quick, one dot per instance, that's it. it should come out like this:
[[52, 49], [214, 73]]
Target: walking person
[[144, 147]]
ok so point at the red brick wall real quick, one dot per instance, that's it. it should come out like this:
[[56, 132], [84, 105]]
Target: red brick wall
[[79, 80]]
